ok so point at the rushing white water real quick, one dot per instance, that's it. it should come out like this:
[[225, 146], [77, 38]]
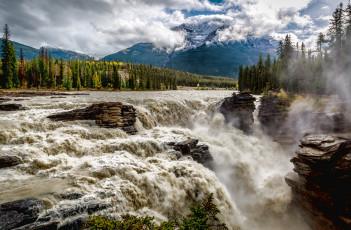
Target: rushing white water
[[138, 174]]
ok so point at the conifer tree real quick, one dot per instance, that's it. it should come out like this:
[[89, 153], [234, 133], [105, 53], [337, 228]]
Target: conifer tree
[[336, 31], [8, 59]]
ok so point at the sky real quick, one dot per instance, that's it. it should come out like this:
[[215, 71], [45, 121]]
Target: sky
[[101, 27]]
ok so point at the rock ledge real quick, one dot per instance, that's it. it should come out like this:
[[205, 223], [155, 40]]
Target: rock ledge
[[105, 114]]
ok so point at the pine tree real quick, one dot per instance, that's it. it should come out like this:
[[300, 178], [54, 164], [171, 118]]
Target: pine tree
[[320, 41], [116, 78], [61, 73], [79, 85], [21, 72], [51, 78], [8, 59], [240, 78], [13, 66], [336, 31]]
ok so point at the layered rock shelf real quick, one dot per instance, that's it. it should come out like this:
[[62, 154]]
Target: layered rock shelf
[[321, 181], [239, 109], [106, 115]]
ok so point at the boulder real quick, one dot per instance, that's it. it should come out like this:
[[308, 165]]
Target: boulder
[[199, 152], [19, 213], [11, 107], [239, 109], [320, 181], [105, 114], [8, 161]]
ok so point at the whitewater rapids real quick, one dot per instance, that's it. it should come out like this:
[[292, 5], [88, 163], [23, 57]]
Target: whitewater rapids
[[139, 174]]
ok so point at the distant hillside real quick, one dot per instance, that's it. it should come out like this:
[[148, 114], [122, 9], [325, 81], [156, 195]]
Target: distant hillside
[[66, 54], [30, 52], [141, 53]]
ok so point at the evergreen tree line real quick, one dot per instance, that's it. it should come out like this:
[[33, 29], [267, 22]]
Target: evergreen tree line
[[45, 72], [298, 70]]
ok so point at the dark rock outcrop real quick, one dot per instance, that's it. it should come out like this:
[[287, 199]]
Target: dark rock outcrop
[[272, 114], [199, 153], [24, 214], [3, 99], [19, 213], [321, 182], [239, 109], [11, 107], [106, 114], [8, 161]]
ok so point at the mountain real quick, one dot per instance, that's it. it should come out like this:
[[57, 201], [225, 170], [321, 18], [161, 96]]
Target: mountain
[[221, 59], [143, 53], [202, 53], [65, 54], [30, 52], [198, 34]]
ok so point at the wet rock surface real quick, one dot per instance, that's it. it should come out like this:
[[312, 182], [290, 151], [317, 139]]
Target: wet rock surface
[[321, 181], [19, 213], [30, 213], [106, 115], [11, 107], [8, 161], [3, 99], [199, 152], [239, 109], [272, 115]]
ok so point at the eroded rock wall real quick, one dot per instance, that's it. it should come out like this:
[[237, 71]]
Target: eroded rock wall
[[239, 109], [321, 181]]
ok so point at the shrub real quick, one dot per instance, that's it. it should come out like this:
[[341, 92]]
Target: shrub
[[202, 216]]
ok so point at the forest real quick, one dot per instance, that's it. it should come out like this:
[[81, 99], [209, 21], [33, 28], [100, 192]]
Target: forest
[[322, 70], [44, 72]]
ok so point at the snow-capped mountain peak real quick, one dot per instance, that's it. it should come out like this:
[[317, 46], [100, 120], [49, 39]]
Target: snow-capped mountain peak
[[196, 34]]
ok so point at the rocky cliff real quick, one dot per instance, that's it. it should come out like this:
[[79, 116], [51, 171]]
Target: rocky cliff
[[272, 114], [321, 181], [239, 109], [288, 122]]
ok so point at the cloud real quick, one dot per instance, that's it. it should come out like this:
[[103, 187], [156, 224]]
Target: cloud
[[102, 27]]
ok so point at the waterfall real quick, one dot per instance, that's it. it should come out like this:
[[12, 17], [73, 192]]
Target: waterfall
[[139, 174]]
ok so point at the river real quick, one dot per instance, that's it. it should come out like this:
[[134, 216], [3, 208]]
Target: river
[[139, 174]]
